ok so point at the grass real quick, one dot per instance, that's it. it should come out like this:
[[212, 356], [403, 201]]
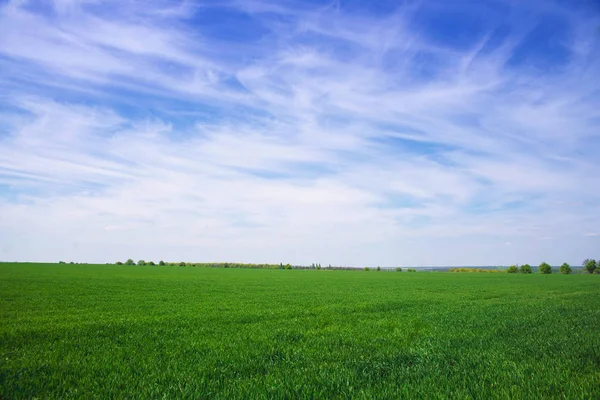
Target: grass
[[105, 331]]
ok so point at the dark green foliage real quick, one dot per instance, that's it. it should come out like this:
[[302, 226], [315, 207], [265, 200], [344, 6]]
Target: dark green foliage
[[398, 269], [545, 268], [141, 262], [590, 265], [526, 269], [378, 268], [565, 269], [119, 263], [367, 269], [162, 263], [182, 264], [129, 262], [513, 269], [108, 332], [150, 263], [62, 262], [411, 270]]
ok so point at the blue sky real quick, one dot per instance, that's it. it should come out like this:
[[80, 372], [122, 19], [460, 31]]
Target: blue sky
[[344, 132]]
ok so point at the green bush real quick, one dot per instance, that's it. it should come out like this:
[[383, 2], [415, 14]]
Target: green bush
[[590, 266], [513, 269], [398, 269], [526, 269], [130, 262], [141, 262], [161, 262], [411, 270], [565, 269], [545, 268], [378, 268], [367, 269]]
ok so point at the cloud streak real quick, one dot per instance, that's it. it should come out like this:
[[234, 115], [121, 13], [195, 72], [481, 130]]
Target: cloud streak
[[258, 131]]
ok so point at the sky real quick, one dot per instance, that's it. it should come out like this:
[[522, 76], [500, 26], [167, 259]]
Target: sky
[[350, 133]]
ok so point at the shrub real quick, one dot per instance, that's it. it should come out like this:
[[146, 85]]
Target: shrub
[[182, 264], [513, 269], [367, 269], [526, 269], [288, 266], [411, 270], [130, 262], [151, 263], [141, 262], [565, 269], [545, 268], [119, 263], [161, 262], [590, 265], [319, 266], [62, 262], [398, 269], [378, 268]]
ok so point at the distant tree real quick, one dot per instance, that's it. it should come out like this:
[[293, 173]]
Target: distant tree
[[411, 270], [526, 269], [378, 268], [513, 269], [188, 264], [62, 262], [288, 266], [398, 269], [182, 264], [590, 265], [150, 263], [162, 263], [141, 262], [71, 262], [565, 269], [367, 269], [119, 263], [130, 262], [318, 266], [545, 268]]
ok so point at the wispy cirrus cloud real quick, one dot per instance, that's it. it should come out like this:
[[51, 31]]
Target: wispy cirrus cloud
[[287, 131]]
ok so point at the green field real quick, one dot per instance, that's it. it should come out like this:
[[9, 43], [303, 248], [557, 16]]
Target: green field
[[106, 331]]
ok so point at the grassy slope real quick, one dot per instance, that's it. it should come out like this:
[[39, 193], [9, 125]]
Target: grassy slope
[[115, 331]]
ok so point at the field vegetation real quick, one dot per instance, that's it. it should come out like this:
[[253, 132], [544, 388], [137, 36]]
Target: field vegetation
[[142, 331]]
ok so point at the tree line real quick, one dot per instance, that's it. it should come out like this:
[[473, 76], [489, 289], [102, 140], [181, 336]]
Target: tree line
[[589, 265]]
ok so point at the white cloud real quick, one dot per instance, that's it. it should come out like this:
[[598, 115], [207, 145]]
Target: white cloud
[[293, 149]]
